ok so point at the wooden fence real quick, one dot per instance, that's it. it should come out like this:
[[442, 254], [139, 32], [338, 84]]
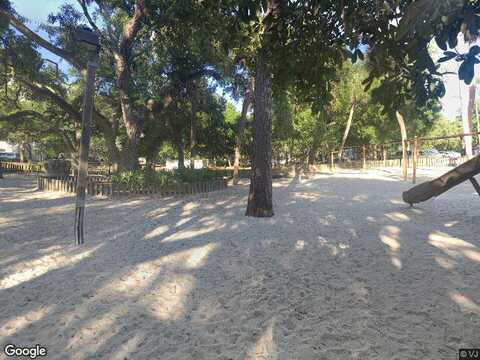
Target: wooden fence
[[104, 186], [422, 161], [19, 167], [376, 156]]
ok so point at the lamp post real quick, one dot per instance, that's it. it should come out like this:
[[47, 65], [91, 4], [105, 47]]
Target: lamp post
[[89, 37]]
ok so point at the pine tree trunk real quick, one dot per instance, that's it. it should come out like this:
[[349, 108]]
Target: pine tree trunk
[[247, 100], [192, 144], [260, 196], [193, 120], [181, 155]]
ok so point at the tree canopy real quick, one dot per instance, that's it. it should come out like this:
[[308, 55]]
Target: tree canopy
[[169, 73]]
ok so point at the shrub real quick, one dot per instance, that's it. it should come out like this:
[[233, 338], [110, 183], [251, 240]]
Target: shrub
[[139, 178], [57, 167]]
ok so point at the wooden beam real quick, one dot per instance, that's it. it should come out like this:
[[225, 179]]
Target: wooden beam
[[429, 189]]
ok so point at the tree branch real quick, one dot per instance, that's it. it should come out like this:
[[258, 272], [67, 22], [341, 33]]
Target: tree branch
[[21, 115], [21, 27], [42, 91], [92, 23], [131, 28]]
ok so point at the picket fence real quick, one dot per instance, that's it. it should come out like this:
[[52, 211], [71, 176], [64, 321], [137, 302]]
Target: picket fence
[[98, 185], [19, 167]]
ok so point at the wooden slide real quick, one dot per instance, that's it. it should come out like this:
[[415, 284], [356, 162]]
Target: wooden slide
[[433, 188]]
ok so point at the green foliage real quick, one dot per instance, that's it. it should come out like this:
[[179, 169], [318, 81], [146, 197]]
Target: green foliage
[[442, 128], [57, 167], [139, 178], [185, 50]]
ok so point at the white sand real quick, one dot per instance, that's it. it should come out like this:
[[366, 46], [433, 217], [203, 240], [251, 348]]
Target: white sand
[[344, 270]]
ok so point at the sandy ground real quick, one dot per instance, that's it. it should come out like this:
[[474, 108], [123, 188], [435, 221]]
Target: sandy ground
[[344, 270]]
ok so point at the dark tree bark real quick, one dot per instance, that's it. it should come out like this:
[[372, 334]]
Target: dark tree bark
[[181, 154], [260, 196], [193, 120], [260, 202], [122, 59], [247, 100]]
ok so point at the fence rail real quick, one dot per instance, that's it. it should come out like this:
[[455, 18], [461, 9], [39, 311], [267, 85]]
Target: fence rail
[[377, 156], [105, 187], [19, 167]]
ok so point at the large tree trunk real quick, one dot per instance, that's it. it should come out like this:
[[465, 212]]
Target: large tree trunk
[[347, 130], [181, 154], [130, 152], [192, 144], [122, 61], [260, 203], [247, 100], [260, 196], [131, 122], [193, 121]]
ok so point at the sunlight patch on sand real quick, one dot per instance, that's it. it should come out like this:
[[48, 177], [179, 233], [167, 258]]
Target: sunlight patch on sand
[[94, 333], [198, 255], [190, 234], [389, 236], [451, 223], [127, 348], [446, 263], [158, 231], [188, 208], [28, 270], [396, 262], [454, 247], [300, 244], [168, 302], [465, 303], [397, 216], [360, 198], [265, 347], [12, 326]]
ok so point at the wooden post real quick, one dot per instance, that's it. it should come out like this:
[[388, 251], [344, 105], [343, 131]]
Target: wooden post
[[332, 162], [405, 159], [364, 157], [414, 162], [84, 147]]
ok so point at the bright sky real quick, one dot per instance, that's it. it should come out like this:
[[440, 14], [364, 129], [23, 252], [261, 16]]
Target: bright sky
[[37, 11]]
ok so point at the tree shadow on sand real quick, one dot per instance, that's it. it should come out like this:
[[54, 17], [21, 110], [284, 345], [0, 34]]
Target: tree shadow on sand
[[344, 269]]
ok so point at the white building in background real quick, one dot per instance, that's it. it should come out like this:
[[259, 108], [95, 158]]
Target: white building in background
[[173, 164], [8, 147], [31, 151]]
